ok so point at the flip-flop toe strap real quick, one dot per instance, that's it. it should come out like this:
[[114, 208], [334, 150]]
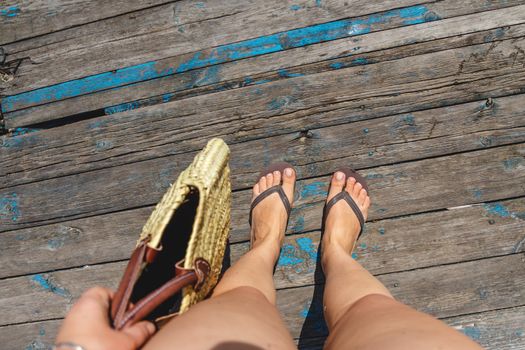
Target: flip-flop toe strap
[[353, 205], [266, 193]]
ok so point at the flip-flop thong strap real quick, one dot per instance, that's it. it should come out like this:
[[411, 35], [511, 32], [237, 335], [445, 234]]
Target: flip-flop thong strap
[[266, 193], [353, 205]]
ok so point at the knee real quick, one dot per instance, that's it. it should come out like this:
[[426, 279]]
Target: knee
[[248, 294], [372, 300]]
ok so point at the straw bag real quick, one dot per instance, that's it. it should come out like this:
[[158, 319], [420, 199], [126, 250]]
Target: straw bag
[[178, 258]]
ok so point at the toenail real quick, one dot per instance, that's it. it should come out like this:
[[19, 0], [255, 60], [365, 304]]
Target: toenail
[[339, 176], [288, 172]]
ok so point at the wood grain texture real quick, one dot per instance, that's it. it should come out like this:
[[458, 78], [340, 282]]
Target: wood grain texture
[[124, 41], [494, 330], [443, 291], [397, 189], [364, 49], [23, 19], [301, 103], [412, 242], [241, 49]]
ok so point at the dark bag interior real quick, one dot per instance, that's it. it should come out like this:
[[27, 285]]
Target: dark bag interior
[[174, 242]]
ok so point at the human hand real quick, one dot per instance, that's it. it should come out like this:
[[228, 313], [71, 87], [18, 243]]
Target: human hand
[[87, 324]]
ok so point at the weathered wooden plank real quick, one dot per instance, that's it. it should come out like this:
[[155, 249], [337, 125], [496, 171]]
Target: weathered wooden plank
[[443, 291], [318, 58], [30, 336], [143, 183], [123, 41], [22, 19], [403, 242], [239, 50], [281, 107], [494, 330]]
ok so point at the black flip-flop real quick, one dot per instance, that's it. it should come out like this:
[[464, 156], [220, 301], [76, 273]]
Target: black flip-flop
[[274, 189], [343, 195]]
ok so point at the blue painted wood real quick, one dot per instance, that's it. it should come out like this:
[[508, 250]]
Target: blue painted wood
[[230, 52]]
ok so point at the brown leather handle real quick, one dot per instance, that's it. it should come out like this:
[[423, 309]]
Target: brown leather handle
[[120, 314], [150, 302]]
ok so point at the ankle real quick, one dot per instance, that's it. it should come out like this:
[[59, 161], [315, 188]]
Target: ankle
[[332, 251], [269, 247]]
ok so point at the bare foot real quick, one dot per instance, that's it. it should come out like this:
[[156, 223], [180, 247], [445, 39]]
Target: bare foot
[[341, 225], [269, 218]]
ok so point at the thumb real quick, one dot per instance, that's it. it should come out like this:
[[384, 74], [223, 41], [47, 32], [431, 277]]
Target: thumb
[[140, 332]]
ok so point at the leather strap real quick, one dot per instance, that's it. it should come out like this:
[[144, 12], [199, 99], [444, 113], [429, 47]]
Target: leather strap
[[353, 205], [266, 193], [120, 314], [120, 301]]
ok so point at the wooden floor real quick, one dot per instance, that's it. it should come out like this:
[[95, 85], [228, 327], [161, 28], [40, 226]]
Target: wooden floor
[[105, 102]]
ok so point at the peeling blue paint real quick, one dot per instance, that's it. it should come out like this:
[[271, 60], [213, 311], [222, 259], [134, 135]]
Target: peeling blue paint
[[288, 256], [280, 102], [365, 130], [374, 176], [46, 283], [354, 256], [370, 153], [37, 345], [337, 65], [167, 97], [102, 145], [23, 131], [473, 333], [317, 188], [9, 207], [307, 245], [128, 106], [248, 48], [55, 243], [497, 209], [42, 331], [381, 231], [295, 7], [93, 83], [477, 193], [318, 3], [283, 73], [299, 224], [200, 5], [359, 61], [512, 163], [363, 246], [10, 12]]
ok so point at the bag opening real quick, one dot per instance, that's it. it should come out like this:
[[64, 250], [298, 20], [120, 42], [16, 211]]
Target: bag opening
[[174, 242]]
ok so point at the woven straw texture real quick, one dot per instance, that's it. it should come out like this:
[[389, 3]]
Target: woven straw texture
[[210, 175]]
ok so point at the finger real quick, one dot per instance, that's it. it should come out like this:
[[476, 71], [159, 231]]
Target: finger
[[140, 332], [93, 306]]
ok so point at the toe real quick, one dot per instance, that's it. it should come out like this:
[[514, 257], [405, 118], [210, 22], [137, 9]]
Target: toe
[[357, 189], [262, 184], [337, 184], [269, 180], [255, 191], [288, 183], [350, 183], [276, 178], [362, 196]]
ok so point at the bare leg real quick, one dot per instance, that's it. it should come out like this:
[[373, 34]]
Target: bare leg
[[241, 313], [359, 310]]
